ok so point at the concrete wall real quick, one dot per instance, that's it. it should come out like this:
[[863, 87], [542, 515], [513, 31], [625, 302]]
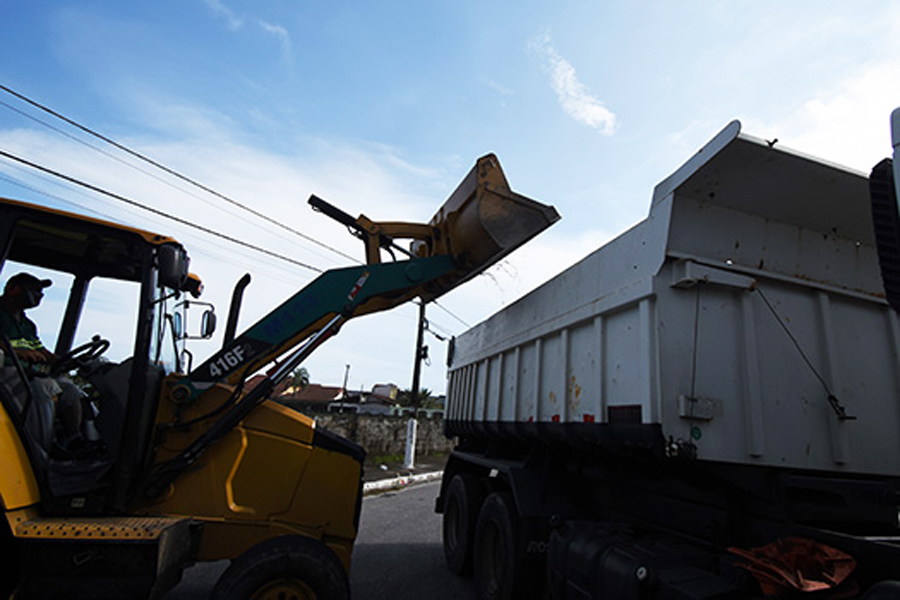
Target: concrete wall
[[383, 435]]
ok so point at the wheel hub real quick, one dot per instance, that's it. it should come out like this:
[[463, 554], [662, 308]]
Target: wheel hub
[[285, 589]]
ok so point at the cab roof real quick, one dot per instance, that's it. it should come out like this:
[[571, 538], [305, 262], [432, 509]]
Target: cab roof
[[77, 244]]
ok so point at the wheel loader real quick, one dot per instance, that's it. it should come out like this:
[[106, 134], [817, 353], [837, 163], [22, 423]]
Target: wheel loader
[[192, 464]]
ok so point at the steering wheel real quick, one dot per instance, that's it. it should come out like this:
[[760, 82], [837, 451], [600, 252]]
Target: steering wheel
[[80, 356]]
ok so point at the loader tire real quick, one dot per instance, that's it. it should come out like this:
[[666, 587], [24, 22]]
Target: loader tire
[[12, 555], [463, 502], [287, 567]]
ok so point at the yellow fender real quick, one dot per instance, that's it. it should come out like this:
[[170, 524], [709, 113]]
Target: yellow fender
[[18, 486]]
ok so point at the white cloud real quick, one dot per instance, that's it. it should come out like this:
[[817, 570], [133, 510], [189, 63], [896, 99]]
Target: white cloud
[[220, 10], [845, 122], [498, 87], [235, 23], [574, 97], [281, 34]]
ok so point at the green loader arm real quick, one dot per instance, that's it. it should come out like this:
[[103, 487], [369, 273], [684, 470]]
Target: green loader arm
[[481, 222]]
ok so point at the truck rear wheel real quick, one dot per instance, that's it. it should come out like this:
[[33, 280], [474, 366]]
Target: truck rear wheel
[[461, 506], [284, 568], [500, 574], [886, 590]]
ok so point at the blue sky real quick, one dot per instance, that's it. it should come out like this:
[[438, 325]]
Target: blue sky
[[382, 107]]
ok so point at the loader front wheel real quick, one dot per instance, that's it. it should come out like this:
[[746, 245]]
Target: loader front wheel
[[284, 568], [12, 553]]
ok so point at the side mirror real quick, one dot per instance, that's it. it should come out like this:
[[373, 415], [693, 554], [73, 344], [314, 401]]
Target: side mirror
[[181, 319], [178, 326], [207, 324]]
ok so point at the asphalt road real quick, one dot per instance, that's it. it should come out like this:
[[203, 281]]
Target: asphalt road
[[398, 553]]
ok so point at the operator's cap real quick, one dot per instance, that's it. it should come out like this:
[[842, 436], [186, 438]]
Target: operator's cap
[[26, 279]]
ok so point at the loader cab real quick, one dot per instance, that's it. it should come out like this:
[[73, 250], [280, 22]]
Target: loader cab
[[110, 314]]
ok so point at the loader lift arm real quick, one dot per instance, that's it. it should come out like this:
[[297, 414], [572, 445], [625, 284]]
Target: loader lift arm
[[480, 223]]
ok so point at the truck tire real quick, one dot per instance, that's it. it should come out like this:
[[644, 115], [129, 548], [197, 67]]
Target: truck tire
[[886, 590], [500, 574], [465, 495], [292, 567]]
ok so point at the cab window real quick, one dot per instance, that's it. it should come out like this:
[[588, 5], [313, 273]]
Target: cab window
[[110, 310]]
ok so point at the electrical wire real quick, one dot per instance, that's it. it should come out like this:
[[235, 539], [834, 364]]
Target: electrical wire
[[65, 200], [202, 246], [109, 155], [168, 170], [18, 182], [449, 312], [157, 211]]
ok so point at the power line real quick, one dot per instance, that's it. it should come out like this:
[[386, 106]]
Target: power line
[[20, 183], [110, 155], [200, 246], [170, 171], [156, 211], [449, 312]]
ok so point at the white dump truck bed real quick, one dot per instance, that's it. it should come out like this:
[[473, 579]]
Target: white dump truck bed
[[742, 321]]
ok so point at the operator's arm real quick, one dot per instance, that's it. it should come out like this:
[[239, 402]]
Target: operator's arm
[[24, 340], [41, 355], [31, 355]]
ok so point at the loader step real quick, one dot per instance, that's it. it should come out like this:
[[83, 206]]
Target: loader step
[[105, 528], [112, 557]]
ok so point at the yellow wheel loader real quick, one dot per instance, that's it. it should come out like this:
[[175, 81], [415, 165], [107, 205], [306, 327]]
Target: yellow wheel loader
[[194, 466]]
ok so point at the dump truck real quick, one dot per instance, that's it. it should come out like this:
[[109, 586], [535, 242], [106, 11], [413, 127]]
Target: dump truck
[[190, 464], [706, 407]]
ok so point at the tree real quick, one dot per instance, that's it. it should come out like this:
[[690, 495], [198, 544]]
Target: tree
[[299, 379], [405, 397]]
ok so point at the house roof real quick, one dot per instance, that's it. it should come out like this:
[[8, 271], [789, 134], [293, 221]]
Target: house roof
[[315, 393], [318, 394], [372, 398]]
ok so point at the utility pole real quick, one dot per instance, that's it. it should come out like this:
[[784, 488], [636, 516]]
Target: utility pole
[[344, 388], [411, 426]]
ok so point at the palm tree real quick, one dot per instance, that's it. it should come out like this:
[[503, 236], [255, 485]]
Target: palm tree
[[405, 397]]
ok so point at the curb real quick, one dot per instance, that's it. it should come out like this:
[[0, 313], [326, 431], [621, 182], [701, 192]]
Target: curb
[[375, 487]]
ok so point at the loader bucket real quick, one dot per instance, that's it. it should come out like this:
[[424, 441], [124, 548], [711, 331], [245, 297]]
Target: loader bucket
[[482, 221]]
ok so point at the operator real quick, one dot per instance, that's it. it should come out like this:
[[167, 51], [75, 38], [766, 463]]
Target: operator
[[22, 292]]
